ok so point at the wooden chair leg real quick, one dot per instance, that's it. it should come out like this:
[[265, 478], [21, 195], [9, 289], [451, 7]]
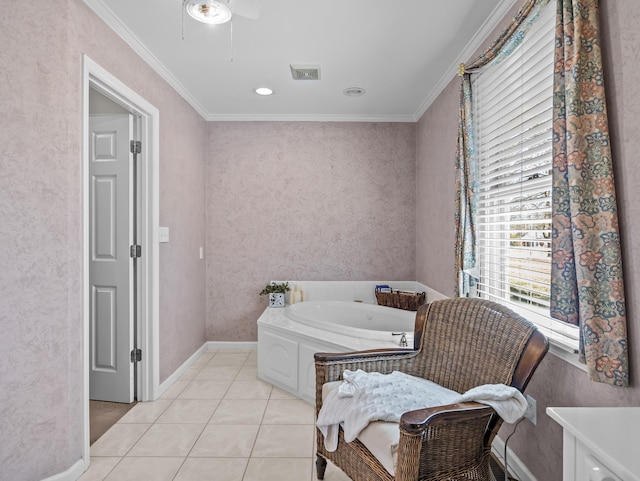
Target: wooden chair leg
[[321, 466]]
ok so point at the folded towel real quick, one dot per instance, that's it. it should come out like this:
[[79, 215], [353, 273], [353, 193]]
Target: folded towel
[[508, 402], [365, 397]]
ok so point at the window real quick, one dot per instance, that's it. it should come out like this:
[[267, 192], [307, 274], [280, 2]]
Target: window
[[513, 121]]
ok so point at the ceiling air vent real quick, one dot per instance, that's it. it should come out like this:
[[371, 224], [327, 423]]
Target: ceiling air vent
[[305, 72]]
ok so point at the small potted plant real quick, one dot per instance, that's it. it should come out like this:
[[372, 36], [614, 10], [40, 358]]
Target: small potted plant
[[276, 293]]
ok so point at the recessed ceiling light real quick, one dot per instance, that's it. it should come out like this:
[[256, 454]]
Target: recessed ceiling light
[[354, 91], [264, 91]]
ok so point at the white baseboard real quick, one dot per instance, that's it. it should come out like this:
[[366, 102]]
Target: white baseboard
[[515, 466], [71, 474], [231, 345], [164, 386], [194, 357], [78, 468]]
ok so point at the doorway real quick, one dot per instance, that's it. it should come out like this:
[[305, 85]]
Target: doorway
[[107, 91]]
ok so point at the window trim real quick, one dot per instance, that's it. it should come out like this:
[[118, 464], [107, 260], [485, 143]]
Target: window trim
[[556, 348]]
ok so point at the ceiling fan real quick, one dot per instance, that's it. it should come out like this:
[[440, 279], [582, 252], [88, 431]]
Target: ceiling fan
[[221, 11]]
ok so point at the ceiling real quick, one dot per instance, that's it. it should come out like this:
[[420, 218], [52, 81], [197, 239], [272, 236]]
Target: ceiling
[[402, 53]]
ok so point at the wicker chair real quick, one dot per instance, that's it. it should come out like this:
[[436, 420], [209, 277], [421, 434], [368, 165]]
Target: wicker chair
[[459, 343]]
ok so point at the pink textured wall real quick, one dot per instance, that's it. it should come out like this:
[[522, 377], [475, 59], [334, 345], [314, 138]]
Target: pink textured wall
[[40, 242], [435, 187], [556, 383], [41, 366], [303, 200]]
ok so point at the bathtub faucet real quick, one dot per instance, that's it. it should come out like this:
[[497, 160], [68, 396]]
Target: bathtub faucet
[[403, 339]]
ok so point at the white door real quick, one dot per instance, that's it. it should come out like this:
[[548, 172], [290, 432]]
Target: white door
[[111, 309]]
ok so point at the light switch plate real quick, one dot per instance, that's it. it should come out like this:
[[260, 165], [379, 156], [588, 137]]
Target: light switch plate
[[163, 234]]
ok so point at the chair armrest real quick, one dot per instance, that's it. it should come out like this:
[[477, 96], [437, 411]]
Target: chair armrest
[[415, 422], [357, 355], [429, 436]]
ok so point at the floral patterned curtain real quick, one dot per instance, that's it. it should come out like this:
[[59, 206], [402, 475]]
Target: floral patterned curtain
[[586, 273], [466, 191], [466, 163]]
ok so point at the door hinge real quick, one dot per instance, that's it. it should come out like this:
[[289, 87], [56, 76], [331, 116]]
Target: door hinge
[[136, 146], [136, 355], [135, 251]]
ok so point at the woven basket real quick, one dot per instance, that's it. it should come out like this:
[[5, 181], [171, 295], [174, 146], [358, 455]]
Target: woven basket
[[409, 301]]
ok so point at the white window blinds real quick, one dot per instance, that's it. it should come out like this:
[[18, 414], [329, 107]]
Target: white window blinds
[[513, 116]]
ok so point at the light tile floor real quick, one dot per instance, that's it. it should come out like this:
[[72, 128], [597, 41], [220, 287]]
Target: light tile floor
[[218, 422]]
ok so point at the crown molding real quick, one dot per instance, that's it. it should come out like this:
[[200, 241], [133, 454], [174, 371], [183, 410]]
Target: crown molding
[[307, 118], [108, 17], [476, 41]]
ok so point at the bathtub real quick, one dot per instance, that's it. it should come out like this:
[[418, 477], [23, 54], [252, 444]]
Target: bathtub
[[289, 337], [355, 319]]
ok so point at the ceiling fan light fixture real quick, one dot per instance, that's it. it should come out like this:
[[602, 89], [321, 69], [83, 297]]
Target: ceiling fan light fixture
[[214, 12]]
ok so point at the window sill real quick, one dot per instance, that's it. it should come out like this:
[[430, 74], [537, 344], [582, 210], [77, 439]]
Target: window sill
[[568, 355], [560, 346]]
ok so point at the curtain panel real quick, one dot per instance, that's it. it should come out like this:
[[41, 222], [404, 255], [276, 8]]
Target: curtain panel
[[587, 287], [466, 193]]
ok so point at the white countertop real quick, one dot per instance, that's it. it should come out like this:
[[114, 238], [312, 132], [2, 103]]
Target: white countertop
[[612, 433]]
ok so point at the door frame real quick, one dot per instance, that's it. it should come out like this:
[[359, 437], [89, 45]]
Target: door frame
[[148, 220]]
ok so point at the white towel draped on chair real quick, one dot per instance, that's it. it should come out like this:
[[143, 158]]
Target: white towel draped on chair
[[365, 397]]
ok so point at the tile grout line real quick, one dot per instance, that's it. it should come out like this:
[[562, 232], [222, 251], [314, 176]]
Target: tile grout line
[[184, 460], [253, 445], [246, 362], [212, 414], [153, 424]]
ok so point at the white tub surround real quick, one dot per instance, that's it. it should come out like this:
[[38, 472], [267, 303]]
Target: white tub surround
[[288, 338], [353, 319], [355, 290], [286, 348]]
